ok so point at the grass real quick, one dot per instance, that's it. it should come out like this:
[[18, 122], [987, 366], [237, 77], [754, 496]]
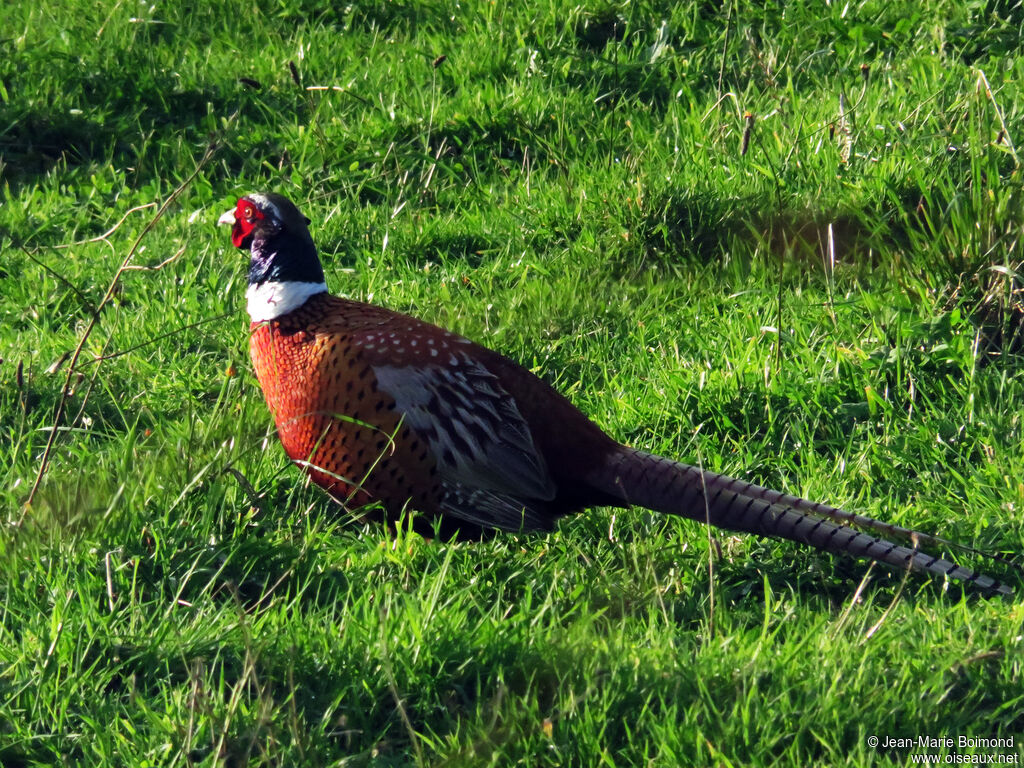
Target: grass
[[835, 312]]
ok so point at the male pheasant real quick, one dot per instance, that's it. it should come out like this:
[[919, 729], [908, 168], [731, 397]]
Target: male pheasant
[[381, 407]]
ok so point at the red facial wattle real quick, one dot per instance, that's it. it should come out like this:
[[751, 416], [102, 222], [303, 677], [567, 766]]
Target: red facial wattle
[[246, 217]]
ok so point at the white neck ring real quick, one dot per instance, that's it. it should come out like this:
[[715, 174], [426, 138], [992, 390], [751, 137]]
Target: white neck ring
[[267, 301]]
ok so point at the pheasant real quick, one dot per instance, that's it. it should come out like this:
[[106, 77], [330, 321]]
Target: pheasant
[[383, 409]]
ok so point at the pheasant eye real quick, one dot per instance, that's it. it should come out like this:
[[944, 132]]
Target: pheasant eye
[[248, 211]]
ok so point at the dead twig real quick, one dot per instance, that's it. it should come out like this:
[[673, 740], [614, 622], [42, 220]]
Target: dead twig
[[154, 340], [85, 299], [161, 265], [109, 232], [111, 289]]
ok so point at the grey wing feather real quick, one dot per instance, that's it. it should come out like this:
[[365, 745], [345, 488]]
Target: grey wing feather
[[483, 447]]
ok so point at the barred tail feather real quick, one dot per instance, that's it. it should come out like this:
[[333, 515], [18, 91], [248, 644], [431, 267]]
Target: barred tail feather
[[654, 482]]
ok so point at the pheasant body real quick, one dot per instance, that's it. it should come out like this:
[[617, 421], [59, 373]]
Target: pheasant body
[[378, 406], [330, 414], [381, 407]]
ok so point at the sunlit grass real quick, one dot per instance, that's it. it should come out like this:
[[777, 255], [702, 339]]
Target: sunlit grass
[[834, 312]]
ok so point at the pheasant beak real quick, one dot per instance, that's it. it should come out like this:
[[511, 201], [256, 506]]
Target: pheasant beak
[[227, 218]]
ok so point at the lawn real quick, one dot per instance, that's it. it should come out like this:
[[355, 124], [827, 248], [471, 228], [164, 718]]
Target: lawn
[[782, 241]]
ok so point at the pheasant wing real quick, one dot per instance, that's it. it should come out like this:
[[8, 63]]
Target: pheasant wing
[[492, 472]]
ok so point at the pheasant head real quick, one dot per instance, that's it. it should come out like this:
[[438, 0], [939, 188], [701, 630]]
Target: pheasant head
[[284, 269]]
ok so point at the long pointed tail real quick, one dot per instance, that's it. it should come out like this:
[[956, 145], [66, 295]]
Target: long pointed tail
[[646, 480]]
